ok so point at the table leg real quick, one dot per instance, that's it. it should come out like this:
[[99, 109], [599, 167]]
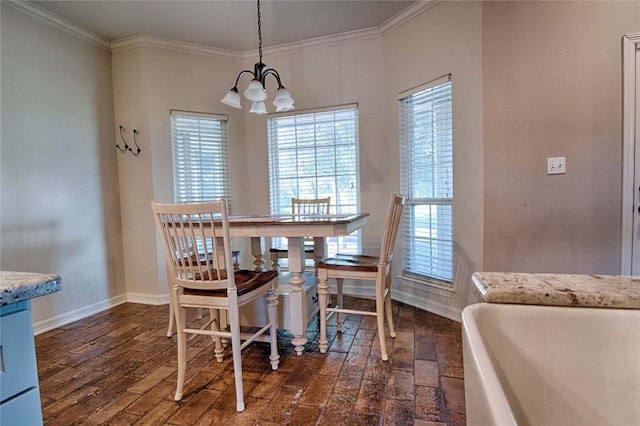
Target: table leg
[[256, 251], [297, 299], [319, 249]]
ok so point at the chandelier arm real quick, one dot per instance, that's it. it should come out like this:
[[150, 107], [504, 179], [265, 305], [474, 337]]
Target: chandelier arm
[[240, 75], [272, 72]]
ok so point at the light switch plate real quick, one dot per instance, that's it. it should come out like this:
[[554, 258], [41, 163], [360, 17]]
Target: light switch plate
[[556, 166]]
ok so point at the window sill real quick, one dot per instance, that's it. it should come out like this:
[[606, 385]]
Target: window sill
[[428, 286]]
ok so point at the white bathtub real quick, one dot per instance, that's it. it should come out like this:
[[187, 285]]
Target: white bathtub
[[547, 365]]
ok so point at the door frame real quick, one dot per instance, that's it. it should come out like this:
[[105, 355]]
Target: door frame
[[630, 44]]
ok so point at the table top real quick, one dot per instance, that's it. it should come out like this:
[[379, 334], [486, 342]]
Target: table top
[[281, 220], [295, 226], [19, 286], [604, 291]]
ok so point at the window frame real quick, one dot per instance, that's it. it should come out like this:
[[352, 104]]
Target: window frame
[[435, 271], [278, 205], [211, 141]]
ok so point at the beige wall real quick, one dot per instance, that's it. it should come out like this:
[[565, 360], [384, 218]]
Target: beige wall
[[552, 88], [60, 202], [131, 91], [149, 81], [447, 39]]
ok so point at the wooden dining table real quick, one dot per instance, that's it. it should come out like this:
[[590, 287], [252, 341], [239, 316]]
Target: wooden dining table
[[295, 229]]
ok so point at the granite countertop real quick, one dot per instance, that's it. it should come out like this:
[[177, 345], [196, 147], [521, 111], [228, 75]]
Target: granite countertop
[[604, 291], [18, 286]]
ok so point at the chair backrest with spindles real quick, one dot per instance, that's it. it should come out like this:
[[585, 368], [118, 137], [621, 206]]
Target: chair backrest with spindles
[[310, 206], [391, 228], [198, 254]]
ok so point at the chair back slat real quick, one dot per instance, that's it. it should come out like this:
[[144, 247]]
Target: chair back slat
[[198, 254], [312, 206], [391, 228]]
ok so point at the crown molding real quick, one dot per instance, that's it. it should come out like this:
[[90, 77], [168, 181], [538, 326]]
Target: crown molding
[[389, 25], [178, 46], [406, 15], [315, 43], [47, 17], [138, 41]]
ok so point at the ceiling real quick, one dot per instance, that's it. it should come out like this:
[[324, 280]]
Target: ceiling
[[225, 24]]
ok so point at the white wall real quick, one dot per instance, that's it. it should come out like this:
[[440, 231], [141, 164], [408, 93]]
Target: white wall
[[60, 208]]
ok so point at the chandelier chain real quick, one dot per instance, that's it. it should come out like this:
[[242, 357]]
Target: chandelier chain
[[259, 32], [256, 91]]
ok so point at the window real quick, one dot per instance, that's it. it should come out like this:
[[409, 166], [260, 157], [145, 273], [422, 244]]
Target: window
[[426, 145], [315, 155], [200, 157]]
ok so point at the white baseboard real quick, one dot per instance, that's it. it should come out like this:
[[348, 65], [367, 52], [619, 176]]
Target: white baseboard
[[429, 306], [77, 314], [417, 302], [148, 299]]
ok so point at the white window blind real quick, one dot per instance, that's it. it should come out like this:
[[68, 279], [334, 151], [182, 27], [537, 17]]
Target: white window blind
[[200, 156], [426, 144], [315, 155]]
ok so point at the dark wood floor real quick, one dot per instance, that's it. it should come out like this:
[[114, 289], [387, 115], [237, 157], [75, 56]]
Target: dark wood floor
[[119, 368]]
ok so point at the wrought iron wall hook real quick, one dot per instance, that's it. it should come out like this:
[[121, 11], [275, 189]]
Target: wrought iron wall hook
[[135, 141], [126, 145]]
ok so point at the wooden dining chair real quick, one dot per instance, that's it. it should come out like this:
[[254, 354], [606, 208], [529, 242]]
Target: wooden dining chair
[[302, 207], [362, 267], [201, 275]]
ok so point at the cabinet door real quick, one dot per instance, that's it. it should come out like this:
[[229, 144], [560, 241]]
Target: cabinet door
[[17, 354], [23, 410]]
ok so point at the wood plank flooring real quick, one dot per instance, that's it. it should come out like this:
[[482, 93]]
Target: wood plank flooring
[[119, 368]]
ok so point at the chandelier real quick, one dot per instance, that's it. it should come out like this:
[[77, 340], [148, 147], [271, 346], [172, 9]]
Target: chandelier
[[256, 91]]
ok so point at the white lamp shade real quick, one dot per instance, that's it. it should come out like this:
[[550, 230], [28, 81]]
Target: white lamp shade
[[232, 98], [255, 92], [284, 108], [283, 99], [258, 108]]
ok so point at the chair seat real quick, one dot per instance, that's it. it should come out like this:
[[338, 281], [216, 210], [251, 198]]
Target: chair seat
[[352, 262], [307, 249], [246, 282]]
